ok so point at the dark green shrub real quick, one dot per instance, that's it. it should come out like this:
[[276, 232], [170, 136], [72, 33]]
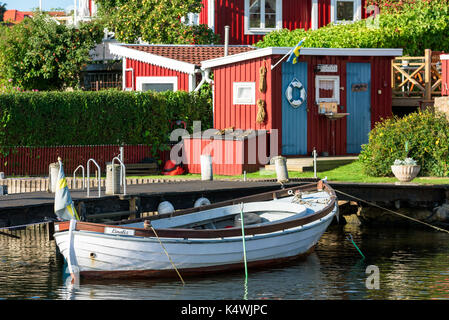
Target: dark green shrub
[[426, 135], [102, 117]]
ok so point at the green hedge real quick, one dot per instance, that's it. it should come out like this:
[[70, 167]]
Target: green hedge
[[423, 136], [103, 117]]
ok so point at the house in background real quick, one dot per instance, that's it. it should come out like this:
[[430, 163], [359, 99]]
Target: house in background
[[250, 20], [15, 16]]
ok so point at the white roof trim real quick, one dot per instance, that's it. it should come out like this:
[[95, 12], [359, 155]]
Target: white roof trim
[[304, 51], [444, 56], [124, 51]]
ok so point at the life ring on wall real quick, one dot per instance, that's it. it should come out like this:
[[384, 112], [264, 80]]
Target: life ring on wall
[[289, 93]]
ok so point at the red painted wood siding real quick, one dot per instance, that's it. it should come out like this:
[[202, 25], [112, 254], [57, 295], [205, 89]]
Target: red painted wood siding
[[204, 12], [34, 161], [142, 69], [445, 77], [226, 114], [295, 14], [381, 101]]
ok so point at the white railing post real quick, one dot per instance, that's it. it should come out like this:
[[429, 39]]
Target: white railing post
[[88, 176], [74, 177]]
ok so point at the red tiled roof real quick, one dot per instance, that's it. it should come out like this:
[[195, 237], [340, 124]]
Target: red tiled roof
[[15, 16], [193, 54]]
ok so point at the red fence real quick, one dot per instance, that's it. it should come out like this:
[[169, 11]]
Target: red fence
[[34, 161]]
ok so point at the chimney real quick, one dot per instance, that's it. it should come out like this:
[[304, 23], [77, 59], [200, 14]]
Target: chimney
[[226, 43]]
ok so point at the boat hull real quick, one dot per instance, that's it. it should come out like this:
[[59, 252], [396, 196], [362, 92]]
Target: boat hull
[[100, 255]]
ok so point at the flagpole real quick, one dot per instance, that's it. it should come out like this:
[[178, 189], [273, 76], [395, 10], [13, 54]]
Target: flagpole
[[291, 50]]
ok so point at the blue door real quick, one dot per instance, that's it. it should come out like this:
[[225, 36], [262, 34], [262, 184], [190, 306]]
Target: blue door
[[294, 119], [358, 100]]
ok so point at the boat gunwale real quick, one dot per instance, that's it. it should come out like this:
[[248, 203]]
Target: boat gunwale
[[219, 233], [253, 237]]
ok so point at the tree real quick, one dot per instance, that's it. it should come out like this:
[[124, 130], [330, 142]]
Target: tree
[[2, 10], [39, 53], [155, 21]]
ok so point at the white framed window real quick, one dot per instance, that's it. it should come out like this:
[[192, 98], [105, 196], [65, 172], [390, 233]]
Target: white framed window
[[346, 11], [157, 84], [244, 93], [327, 89], [262, 16], [192, 19]]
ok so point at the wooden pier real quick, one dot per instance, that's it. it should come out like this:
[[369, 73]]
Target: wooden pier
[[38, 207]]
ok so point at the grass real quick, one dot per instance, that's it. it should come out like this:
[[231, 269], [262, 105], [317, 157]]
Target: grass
[[348, 173]]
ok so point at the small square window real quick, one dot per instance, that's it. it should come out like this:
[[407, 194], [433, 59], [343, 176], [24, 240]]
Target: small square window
[[346, 11], [244, 93], [327, 89]]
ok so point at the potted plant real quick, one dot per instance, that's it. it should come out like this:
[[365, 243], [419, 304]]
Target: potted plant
[[405, 170]]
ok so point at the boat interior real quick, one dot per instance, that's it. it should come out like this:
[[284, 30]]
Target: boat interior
[[254, 214]]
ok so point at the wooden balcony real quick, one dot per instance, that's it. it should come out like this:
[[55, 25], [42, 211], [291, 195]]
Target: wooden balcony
[[416, 81]]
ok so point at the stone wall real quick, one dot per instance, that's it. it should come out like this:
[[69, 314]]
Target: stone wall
[[441, 105]]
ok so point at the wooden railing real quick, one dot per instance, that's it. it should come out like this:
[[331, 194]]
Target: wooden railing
[[416, 80]]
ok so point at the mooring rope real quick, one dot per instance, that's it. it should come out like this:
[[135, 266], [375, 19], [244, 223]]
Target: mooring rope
[[171, 261], [244, 252], [394, 212]]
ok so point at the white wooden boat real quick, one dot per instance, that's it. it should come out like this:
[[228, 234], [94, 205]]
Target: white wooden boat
[[278, 226]]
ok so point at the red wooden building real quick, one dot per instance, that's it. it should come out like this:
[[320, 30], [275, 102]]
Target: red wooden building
[[166, 67], [328, 101], [250, 20]]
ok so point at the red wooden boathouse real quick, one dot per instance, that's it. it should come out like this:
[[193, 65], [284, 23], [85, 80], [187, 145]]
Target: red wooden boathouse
[[250, 20], [328, 101]]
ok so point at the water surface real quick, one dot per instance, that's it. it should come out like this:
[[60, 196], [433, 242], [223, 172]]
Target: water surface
[[413, 264]]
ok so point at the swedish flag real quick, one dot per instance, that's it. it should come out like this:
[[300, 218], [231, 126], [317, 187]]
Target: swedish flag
[[295, 53], [64, 208]]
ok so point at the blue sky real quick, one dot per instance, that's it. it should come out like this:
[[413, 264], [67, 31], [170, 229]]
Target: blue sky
[[28, 5]]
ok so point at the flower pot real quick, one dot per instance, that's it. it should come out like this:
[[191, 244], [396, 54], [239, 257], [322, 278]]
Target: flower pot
[[405, 173]]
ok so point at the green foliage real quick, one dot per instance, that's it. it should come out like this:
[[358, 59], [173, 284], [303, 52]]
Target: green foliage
[[422, 136], [155, 21], [418, 26], [40, 54], [101, 117]]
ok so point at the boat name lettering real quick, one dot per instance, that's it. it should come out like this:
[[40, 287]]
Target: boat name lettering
[[126, 232]]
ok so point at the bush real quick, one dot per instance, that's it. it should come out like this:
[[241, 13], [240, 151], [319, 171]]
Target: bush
[[102, 117], [427, 138], [41, 54]]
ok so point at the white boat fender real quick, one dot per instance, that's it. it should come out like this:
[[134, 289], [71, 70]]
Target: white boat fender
[[165, 207], [201, 202]]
